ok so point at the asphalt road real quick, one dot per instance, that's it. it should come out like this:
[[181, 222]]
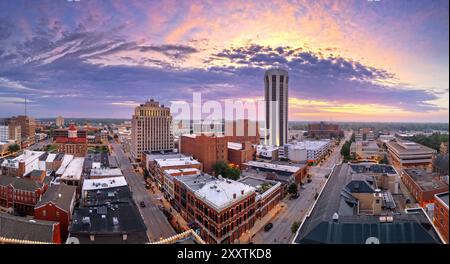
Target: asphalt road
[[295, 210], [157, 225]]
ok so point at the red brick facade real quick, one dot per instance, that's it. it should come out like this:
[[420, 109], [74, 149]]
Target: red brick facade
[[440, 218], [21, 200], [216, 227]]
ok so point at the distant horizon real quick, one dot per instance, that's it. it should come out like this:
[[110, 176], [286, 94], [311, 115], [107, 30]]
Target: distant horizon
[[305, 121]]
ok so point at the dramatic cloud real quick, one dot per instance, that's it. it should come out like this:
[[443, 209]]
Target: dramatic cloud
[[105, 58]]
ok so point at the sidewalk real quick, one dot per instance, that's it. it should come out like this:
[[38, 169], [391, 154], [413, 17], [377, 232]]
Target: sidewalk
[[260, 223]]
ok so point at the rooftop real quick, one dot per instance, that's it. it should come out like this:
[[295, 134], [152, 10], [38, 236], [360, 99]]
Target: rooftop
[[61, 195], [218, 193], [20, 183], [408, 147], [309, 144], [425, 180], [103, 183], [443, 197], [103, 172], [22, 228], [183, 171], [74, 169], [335, 220], [66, 159], [369, 167], [169, 162], [234, 145], [109, 213], [272, 166]]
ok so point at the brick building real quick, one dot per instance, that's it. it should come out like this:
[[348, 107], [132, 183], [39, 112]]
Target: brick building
[[71, 141], [440, 218], [57, 205], [324, 130], [223, 209], [239, 153], [21, 229], [242, 131], [422, 185], [208, 149], [20, 194]]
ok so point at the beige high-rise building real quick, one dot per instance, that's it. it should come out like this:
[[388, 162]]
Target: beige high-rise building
[[27, 127], [15, 133], [151, 129], [59, 121]]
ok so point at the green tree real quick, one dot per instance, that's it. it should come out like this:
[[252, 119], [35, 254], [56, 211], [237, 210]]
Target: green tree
[[232, 173], [292, 189], [13, 148], [295, 226], [219, 168]]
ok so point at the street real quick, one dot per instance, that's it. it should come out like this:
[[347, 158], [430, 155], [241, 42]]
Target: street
[[295, 210], [157, 225]]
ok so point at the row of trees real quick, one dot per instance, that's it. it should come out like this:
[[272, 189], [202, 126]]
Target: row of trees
[[434, 141]]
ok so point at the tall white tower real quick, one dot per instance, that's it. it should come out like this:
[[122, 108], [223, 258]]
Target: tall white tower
[[276, 99]]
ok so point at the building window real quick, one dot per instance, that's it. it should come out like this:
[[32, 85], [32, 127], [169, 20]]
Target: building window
[[44, 212]]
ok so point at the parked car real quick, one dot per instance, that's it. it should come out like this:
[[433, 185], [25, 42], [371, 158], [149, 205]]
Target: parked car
[[142, 204], [268, 227], [294, 196]]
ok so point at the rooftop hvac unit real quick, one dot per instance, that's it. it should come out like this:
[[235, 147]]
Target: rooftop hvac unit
[[383, 219], [389, 219], [86, 220], [335, 217], [115, 221]]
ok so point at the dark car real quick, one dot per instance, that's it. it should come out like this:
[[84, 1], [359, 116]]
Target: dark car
[[294, 196], [268, 227], [142, 204]]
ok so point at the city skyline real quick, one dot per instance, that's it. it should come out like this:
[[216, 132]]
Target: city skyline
[[378, 61]]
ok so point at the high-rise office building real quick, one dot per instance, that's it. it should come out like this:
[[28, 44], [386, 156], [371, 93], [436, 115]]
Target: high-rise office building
[[276, 99], [27, 127], [4, 133], [151, 129], [59, 121]]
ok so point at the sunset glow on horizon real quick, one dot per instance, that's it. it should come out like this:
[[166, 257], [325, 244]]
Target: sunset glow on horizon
[[347, 60]]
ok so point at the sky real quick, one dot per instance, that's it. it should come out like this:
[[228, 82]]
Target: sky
[[361, 60]]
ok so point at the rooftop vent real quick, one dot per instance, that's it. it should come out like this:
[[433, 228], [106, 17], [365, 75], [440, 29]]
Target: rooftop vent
[[383, 219], [86, 220], [335, 217], [115, 221]]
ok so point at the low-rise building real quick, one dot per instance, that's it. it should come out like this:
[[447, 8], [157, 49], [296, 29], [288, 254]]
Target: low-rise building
[[22, 164], [350, 210], [223, 209], [28, 231], [279, 171], [267, 152], [19, 194], [423, 185], [268, 193], [239, 153], [366, 150], [72, 173], [161, 165], [107, 214], [169, 176], [57, 204], [410, 155], [315, 150], [440, 217]]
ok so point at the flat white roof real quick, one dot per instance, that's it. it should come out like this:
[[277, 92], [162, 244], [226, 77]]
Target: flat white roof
[[272, 166], [309, 144], [66, 160], [28, 156], [184, 170], [266, 147], [74, 169], [176, 162], [220, 193], [106, 172], [234, 145], [104, 183], [51, 157], [96, 165]]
